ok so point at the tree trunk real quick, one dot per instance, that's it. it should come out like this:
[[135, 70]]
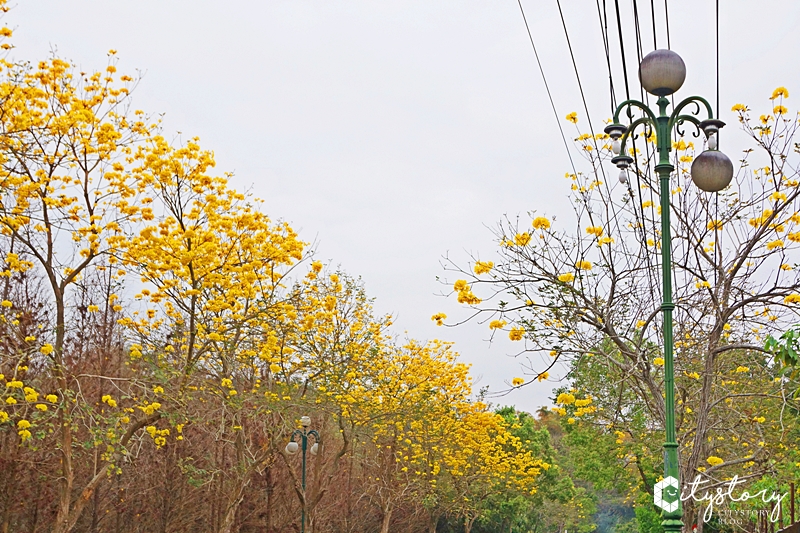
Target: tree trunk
[[230, 513], [434, 521], [270, 489], [387, 518], [468, 522]]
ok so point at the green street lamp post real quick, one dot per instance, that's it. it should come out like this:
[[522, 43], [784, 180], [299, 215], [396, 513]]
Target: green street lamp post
[[662, 73], [299, 442]]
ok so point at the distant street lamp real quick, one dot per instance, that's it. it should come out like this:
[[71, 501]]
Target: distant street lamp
[[293, 447], [662, 73]]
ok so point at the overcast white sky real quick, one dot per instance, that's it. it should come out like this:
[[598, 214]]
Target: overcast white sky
[[394, 132]]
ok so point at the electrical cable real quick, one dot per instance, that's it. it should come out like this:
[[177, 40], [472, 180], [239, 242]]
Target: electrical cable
[[604, 32], [653, 16], [580, 85], [647, 172], [666, 17], [622, 51], [717, 247], [717, 59], [547, 87]]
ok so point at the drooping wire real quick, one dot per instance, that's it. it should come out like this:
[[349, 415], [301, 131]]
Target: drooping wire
[[622, 51], [547, 88], [604, 32], [717, 246], [645, 99], [653, 16], [718, 59], [580, 85], [583, 96]]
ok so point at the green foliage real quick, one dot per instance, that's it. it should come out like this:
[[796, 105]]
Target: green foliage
[[786, 348]]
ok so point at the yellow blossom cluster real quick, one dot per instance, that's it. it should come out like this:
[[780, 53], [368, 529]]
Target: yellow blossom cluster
[[465, 294]]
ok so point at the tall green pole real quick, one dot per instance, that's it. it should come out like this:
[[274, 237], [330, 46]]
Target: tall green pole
[[303, 510], [303, 435], [671, 520], [662, 73]]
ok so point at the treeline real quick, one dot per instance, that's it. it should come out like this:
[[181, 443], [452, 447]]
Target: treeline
[[161, 338]]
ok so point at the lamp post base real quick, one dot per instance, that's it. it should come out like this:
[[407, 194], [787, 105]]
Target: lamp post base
[[674, 525]]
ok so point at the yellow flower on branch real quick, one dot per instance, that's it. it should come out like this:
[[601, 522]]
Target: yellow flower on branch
[[741, 369], [658, 361], [777, 196], [761, 220], [541, 223], [482, 267], [467, 297], [780, 91], [522, 239], [439, 318], [713, 460], [595, 230], [516, 382], [572, 117], [739, 108], [604, 240], [583, 265], [792, 298], [714, 225], [497, 324], [565, 398], [543, 376], [775, 244], [566, 278], [516, 334]]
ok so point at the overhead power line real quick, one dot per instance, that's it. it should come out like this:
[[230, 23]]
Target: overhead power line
[[580, 85], [622, 51], [604, 32], [547, 87]]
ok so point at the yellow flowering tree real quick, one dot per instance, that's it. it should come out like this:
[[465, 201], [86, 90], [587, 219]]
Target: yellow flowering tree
[[591, 299], [69, 198]]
